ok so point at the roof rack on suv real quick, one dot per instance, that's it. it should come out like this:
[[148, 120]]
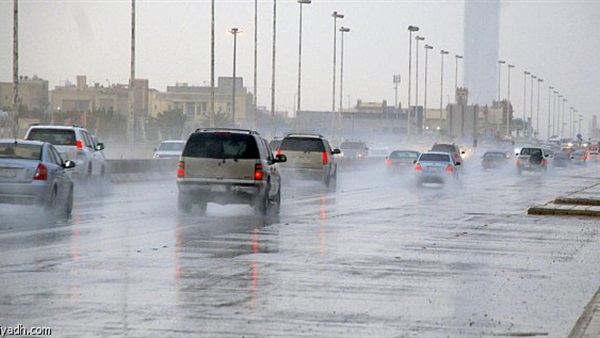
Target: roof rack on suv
[[227, 129], [304, 135]]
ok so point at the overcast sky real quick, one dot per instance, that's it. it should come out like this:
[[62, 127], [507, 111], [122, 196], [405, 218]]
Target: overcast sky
[[58, 40]]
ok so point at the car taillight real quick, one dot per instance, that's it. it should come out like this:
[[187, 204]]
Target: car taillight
[[258, 172], [544, 162], [388, 161], [418, 167], [278, 152], [449, 168], [79, 144], [180, 169], [41, 173], [325, 158], [518, 161], [583, 158]]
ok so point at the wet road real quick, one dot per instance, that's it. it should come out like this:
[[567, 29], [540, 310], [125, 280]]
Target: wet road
[[378, 257]]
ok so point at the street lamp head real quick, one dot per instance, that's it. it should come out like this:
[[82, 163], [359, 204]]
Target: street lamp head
[[540, 80], [550, 87], [234, 30], [344, 29], [428, 47], [511, 66], [413, 28], [501, 62], [533, 76], [443, 52], [337, 15], [420, 38], [304, 1], [526, 72], [458, 56]]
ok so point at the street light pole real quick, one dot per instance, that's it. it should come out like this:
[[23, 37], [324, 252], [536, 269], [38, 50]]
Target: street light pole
[[254, 100], [500, 63], [533, 77], [563, 117], [427, 48], [411, 29], [525, 73], [417, 39], [273, 122], [335, 16], [442, 53], [508, 105], [537, 118], [339, 122], [456, 57], [550, 88], [300, 3], [235, 32], [397, 79]]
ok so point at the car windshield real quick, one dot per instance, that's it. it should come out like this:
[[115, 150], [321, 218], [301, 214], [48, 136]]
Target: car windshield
[[352, 145], [302, 144], [61, 137], [221, 146], [449, 148], [404, 155], [494, 155], [20, 151], [429, 157], [171, 146]]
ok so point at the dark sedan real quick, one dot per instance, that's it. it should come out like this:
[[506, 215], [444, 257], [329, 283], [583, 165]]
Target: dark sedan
[[494, 160], [33, 173]]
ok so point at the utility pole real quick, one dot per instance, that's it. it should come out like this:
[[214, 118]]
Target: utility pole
[[131, 121], [15, 128]]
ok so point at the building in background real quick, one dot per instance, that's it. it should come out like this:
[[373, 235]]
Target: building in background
[[33, 94]]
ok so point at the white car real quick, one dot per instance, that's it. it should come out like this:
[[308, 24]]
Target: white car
[[169, 149], [74, 143]]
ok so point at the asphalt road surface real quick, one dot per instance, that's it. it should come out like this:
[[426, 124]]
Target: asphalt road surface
[[378, 257]]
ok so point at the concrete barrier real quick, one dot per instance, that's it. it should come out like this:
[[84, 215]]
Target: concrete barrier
[[142, 169]]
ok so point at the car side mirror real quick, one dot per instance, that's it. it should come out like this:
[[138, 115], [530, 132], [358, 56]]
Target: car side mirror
[[414, 161], [336, 151], [457, 163], [155, 149], [280, 158], [100, 146], [68, 164]]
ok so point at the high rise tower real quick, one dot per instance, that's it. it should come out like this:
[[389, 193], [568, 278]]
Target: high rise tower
[[481, 41]]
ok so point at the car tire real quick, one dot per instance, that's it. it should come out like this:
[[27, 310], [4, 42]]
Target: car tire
[[50, 205], [184, 203], [275, 205], [202, 206], [331, 181], [68, 204], [261, 203]]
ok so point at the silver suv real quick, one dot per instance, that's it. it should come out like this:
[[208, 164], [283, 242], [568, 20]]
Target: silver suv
[[309, 156], [75, 144], [229, 166], [532, 159]]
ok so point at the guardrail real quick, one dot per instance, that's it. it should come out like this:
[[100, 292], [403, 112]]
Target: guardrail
[[122, 170]]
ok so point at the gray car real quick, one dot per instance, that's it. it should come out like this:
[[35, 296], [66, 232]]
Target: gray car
[[33, 173], [436, 167]]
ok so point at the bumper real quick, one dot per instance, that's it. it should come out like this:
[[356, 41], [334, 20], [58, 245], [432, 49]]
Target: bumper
[[222, 193], [25, 193]]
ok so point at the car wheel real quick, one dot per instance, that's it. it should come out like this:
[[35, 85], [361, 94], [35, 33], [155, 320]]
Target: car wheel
[[202, 206], [50, 205], [275, 205], [68, 204], [184, 203], [331, 181], [261, 203]]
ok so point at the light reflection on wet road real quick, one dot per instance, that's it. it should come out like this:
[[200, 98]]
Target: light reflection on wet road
[[379, 257]]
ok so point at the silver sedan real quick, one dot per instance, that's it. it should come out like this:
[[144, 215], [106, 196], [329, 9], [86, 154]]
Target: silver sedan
[[33, 173], [436, 167]]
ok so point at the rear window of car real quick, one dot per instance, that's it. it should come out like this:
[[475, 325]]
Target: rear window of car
[[20, 151], [494, 155], [222, 146], [531, 151], [352, 145], [404, 154], [171, 146], [448, 148], [427, 157], [302, 144], [60, 137]]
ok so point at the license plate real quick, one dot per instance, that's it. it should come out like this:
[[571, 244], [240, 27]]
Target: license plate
[[8, 173], [218, 188]]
